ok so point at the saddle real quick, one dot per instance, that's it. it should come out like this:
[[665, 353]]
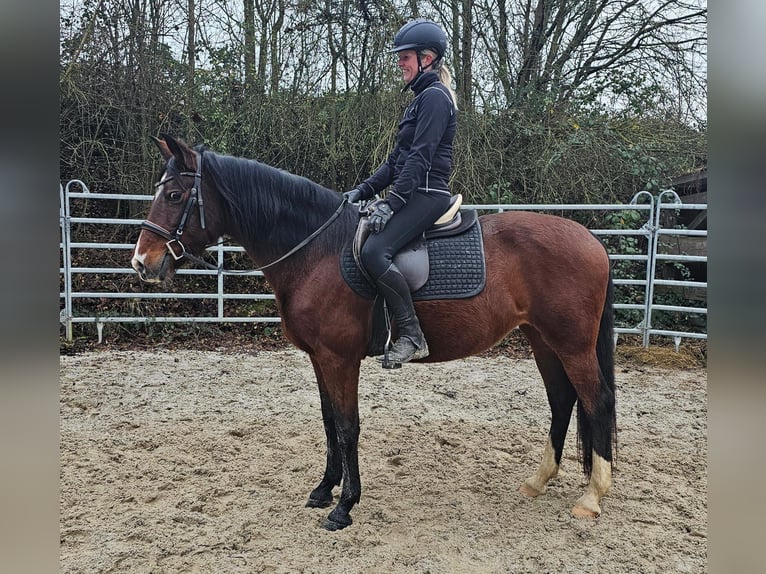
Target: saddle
[[445, 262], [413, 259]]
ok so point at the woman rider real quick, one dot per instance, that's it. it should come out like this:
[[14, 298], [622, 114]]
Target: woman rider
[[419, 169]]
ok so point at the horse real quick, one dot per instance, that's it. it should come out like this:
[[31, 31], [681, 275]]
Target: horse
[[547, 275]]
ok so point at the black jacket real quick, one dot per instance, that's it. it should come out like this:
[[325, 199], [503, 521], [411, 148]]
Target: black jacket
[[422, 157]]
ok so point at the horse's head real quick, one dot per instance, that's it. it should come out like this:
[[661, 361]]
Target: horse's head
[[180, 221]]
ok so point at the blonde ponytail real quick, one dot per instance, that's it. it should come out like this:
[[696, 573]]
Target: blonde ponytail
[[445, 76]]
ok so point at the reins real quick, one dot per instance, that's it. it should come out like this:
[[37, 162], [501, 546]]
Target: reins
[[177, 249], [308, 240]]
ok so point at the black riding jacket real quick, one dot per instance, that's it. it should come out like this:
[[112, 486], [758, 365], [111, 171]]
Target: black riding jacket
[[422, 157]]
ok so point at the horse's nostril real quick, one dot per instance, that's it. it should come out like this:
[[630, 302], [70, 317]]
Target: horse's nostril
[[137, 265]]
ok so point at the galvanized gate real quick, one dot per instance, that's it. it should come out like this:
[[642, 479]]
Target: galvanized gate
[[77, 300]]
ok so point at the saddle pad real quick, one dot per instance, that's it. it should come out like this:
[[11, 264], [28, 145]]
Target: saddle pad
[[456, 268]]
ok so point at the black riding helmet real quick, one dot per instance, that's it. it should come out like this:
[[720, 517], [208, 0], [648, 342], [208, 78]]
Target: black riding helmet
[[420, 35]]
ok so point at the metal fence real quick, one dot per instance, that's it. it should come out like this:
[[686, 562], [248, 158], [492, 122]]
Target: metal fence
[[638, 250]]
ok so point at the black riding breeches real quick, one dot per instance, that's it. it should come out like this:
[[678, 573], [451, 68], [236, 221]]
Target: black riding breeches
[[420, 212]]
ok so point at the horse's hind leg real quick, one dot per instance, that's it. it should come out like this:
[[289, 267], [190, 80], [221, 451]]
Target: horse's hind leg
[[561, 398], [596, 428], [575, 379]]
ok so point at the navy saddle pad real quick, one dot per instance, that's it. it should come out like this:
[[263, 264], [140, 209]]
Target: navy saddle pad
[[456, 268]]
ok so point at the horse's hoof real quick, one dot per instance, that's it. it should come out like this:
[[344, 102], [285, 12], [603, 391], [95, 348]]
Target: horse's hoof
[[333, 525], [530, 491], [583, 512], [587, 506], [336, 521], [318, 502]]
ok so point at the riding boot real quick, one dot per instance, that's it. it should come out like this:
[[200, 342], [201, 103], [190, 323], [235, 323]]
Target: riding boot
[[411, 343]]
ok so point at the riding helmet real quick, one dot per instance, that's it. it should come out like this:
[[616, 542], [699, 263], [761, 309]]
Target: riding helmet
[[420, 35]]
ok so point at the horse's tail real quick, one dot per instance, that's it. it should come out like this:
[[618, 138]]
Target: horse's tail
[[599, 432]]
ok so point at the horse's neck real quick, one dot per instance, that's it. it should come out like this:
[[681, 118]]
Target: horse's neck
[[271, 226]]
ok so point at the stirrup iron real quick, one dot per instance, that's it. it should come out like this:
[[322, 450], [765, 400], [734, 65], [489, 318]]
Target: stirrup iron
[[385, 360]]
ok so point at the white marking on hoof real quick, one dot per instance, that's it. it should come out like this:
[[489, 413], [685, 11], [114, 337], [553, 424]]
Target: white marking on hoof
[[531, 490], [535, 485], [587, 506]]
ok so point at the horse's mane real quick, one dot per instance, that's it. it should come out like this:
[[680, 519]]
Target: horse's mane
[[270, 210]]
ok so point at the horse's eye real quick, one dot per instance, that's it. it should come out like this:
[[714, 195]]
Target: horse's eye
[[175, 196]]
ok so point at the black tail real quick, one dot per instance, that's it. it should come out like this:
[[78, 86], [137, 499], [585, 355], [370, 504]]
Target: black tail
[[605, 341], [599, 432]]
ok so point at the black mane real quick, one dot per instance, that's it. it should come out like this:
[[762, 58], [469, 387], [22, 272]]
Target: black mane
[[270, 210]]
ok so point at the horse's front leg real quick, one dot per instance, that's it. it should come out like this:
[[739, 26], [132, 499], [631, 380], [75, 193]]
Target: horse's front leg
[[321, 496], [347, 426], [341, 382]]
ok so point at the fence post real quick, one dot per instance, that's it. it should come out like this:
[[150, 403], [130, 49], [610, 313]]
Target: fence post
[[655, 243], [650, 231], [65, 316], [67, 240], [219, 250]]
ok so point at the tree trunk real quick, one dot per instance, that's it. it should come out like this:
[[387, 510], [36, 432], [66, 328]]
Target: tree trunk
[[530, 66], [249, 56], [465, 86], [503, 55], [190, 70], [276, 67]]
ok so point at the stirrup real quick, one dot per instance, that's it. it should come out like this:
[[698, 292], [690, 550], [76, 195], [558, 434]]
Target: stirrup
[[393, 357], [386, 362]]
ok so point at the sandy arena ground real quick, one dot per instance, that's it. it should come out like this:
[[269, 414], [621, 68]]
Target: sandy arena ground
[[201, 462]]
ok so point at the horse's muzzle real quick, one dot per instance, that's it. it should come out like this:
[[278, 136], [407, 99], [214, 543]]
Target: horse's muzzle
[[147, 274]]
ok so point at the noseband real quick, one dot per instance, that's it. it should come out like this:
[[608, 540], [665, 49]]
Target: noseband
[[174, 245]]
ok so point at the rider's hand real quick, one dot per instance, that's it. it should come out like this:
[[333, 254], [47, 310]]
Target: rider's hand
[[354, 195], [380, 216]]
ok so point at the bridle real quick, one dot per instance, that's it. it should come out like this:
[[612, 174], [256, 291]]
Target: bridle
[[177, 249]]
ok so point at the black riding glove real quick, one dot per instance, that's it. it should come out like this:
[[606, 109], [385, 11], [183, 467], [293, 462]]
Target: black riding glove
[[354, 195], [380, 216]]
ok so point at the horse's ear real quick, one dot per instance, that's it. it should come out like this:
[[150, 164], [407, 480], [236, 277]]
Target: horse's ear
[[164, 149], [185, 158]]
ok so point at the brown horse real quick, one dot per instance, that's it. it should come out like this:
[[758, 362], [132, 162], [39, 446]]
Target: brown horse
[[547, 275]]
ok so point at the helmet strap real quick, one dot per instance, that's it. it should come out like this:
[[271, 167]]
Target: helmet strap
[[433, 66]]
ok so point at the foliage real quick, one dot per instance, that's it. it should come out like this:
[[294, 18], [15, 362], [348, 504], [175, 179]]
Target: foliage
[[584, 112], [608, 102]]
